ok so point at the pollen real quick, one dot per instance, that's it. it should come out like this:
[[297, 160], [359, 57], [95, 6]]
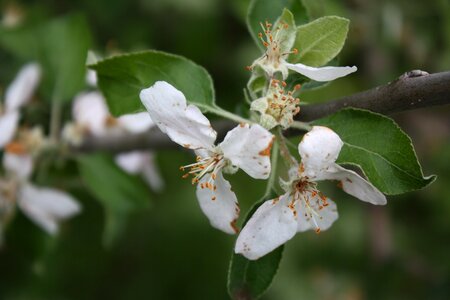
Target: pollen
[[16, 148], [266, 151], [282, 105], [205, 167]]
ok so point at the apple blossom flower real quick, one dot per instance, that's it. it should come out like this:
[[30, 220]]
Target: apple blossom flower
[[277, 107], [16, 96], [46, 207], [246, 147], [278, 46], [303, 206]]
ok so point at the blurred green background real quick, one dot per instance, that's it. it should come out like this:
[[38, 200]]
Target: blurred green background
[[168, 250]]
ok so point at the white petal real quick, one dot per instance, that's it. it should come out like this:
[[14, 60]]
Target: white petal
[[319, 149], [46, 207], [90, 111], [8, 127], [248, 147], [131, 162], [151, 173], [19, 165], [321, 74], [141, 162], [322, 218], [23, 87], [220, 206], [91, 78], [272, 225], [136, 123], [355, 185], [184, 124]]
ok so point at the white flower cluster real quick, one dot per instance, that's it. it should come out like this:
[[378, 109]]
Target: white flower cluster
[[302, 207]]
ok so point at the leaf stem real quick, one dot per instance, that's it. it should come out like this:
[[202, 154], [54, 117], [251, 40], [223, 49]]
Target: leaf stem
[[301, 125], [274, 165], [284, 150], [228, 115], [55, 121]]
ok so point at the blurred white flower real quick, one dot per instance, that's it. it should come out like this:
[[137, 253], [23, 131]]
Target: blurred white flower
[[46, 207], [246, 147], [16, 96], [91, 116], [303, 206]]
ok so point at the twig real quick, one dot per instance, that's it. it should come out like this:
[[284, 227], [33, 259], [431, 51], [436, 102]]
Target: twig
[[415, 89]]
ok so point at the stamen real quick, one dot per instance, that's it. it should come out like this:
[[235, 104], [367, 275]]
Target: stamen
[[202, 166]]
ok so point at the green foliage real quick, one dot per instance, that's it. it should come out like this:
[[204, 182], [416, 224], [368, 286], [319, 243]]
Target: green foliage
[[320, 41], [314, 8], [60, 45], [65, 43], [21, 41], [269, 10], [121, 78], [249, 279], [380, 148], [119, 193]]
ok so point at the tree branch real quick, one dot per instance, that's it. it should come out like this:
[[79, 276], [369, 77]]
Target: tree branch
[[415, 89]]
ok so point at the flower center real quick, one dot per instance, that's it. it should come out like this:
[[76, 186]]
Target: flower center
[[205, 165], [314, 201], [271, 39], [282, 103]]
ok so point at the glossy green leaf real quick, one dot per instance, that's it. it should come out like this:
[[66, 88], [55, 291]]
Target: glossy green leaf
[[121, 78], [320, 41], [269, 10], [249, 279], [119, 193], [64, 43], [380, 148]]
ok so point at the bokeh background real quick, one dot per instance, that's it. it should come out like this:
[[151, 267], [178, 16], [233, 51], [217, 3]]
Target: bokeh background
[[168, 250]]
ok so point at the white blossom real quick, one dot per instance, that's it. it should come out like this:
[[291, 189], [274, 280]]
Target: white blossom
[[279, 45], [277, 107], [303, 207], [46, 207], [246, 147]]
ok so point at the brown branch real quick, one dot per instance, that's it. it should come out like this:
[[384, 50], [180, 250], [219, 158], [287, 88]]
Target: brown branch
[[415, 89]]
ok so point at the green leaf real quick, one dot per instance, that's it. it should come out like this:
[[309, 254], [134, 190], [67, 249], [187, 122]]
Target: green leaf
[[258, 81], [314, 8], [269, 10], [121, 78], [119, 193], [21, 41], [249, 279], [380, 148], [320, 41], [64, 43]]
